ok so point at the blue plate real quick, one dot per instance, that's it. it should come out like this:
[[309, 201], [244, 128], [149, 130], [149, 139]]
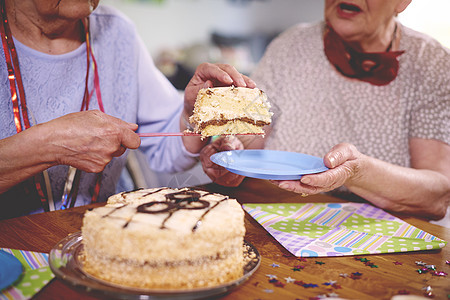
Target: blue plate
[[269, 164], [10, 269]]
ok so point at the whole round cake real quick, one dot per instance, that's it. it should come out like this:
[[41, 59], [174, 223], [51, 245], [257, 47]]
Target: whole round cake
[[165, 238]]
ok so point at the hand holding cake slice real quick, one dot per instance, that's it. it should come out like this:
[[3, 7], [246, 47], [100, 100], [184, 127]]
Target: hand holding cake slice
[[230, 110]]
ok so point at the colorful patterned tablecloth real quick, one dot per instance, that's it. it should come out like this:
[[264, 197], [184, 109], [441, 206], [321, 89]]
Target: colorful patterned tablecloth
[[36, 275], [336, 229]]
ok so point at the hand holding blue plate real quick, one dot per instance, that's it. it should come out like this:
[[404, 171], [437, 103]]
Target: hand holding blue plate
[[269, 164], [10, 269]]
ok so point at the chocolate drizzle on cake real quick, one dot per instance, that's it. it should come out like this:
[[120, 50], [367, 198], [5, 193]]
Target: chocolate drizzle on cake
[[124, 194], [199, 221], [175, 201], [166, 207], [187, 200], [113, 210], [127, 222], [154, 192], [183, 199]]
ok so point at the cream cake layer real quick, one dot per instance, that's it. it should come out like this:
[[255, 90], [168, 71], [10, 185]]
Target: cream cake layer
[[230, 110], [177, 275]]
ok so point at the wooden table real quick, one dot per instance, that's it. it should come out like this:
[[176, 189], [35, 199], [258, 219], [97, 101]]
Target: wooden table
[[42, 231]]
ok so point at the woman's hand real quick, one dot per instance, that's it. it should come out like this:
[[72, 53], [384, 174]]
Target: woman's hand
[[89, 140], [86, 140], [219, 174], [344, 163], [422, 189], [213, 75]]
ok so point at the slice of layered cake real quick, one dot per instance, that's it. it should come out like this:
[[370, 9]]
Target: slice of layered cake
[[230, 110], [165, 239]]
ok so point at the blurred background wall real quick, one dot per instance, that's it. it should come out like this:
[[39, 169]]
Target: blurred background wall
[[180, 23], [180, 34]]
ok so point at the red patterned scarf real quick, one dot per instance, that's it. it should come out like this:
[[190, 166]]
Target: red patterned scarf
[[378, 68]]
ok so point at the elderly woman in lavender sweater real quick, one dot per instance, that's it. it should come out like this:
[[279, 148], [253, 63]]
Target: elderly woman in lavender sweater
[[77, 86]]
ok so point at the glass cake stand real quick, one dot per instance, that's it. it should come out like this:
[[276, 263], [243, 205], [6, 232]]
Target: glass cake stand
[[65, 262]]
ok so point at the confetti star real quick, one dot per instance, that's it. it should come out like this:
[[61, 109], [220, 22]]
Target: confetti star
[[274, 265], [431, 267], [428, 292], [279, 284], [436, 273], [268, 291], [345, 275], [299, 282], [420, 263], [271, 276], [329, 282], [319, 262], [364, 259], [397, 263], [422, 270], [447, 262], [273, 280], [356, 275], [332, 295], [298, 268], [310, 285], [289, 279]]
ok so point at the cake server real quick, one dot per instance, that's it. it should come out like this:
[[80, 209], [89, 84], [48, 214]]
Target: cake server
[[159, 134]]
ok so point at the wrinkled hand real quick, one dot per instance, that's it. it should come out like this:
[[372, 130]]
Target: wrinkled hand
[[89, 140], [344, 163], [219, 174], [213, 75]]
